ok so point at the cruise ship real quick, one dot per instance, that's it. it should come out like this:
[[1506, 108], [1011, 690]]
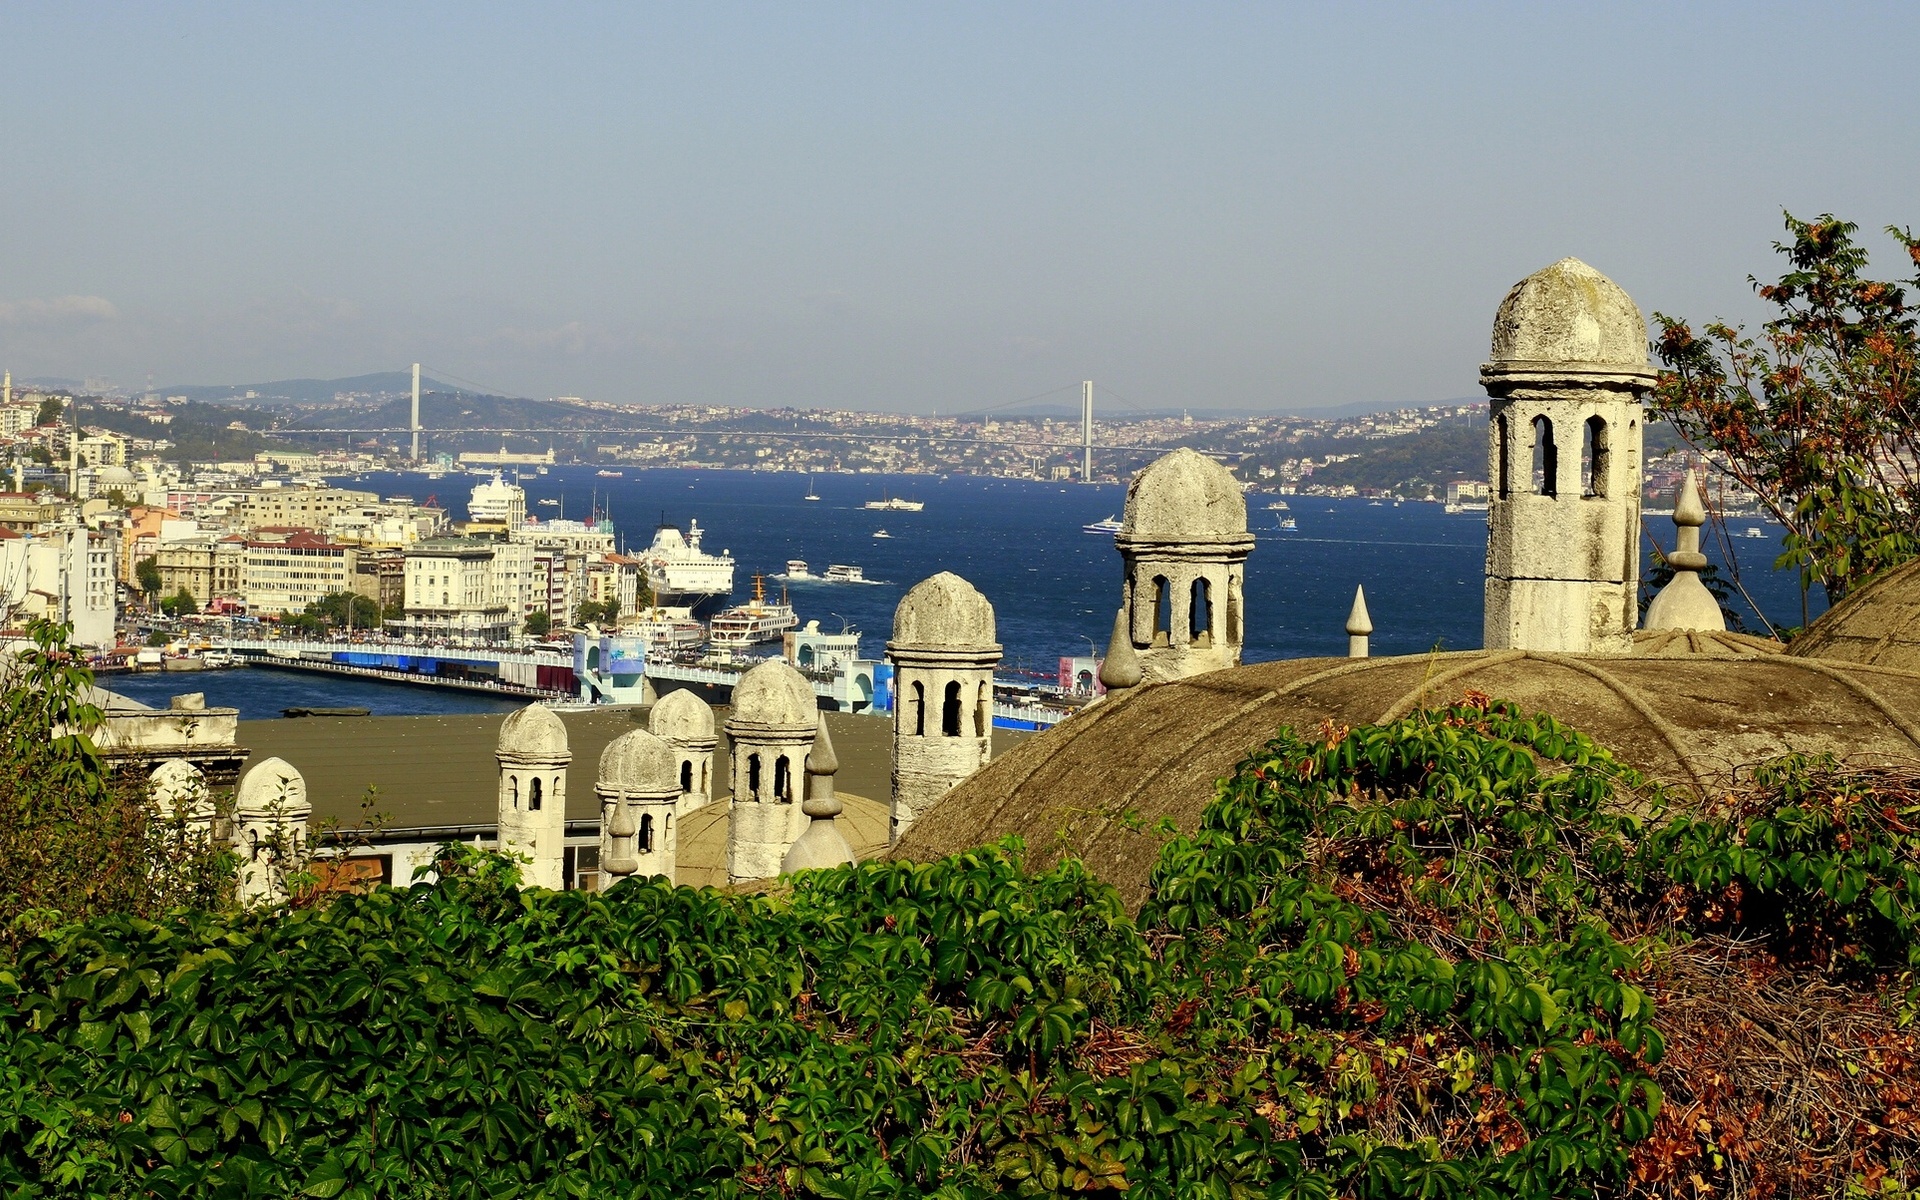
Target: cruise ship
[[682, 575], [758, 620], [896, 504]]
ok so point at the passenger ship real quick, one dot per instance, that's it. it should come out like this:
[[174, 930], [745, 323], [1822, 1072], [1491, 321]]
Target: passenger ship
[[758, 620], [682, 575], [896, 504]]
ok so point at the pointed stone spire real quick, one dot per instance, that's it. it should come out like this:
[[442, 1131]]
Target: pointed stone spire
[[1685, 603], [1121, 668], [820, 844], [1359, 624]]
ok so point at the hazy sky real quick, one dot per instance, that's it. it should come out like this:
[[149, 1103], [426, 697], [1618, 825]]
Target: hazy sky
[[908, 206]]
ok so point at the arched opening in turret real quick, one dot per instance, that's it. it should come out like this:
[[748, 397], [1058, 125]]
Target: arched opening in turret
[[782, 781], [513, 786], [917, 709], [646, 833], [533, 795], [1200, 613], [1596, 457], [753, 776], [950, 711], [1162, 611], [983, 711], [1501, 452], [1546, 459], [686, 776]]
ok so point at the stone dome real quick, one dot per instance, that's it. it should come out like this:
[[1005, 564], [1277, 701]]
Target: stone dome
[[179, 789], [109, 478], [1687, 719], [1184, 496], [1569, 313], [533, 734], [681, 716], [773, 696], [639, 763], [1877, 625], [944, 610], [273, 787]]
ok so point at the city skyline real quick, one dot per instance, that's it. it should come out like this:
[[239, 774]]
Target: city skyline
[[868, 209]]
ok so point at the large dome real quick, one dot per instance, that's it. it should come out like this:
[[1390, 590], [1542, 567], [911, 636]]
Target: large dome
[[1878, 625], [1184, 496], [776, 698], [1158, 750], [941, 611], [681, 716], [533, 734], [639, 763], [1569, 314]]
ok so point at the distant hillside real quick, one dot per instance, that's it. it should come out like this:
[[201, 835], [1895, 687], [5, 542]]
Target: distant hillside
[[448, 409], [1453, 449], [303, 391]]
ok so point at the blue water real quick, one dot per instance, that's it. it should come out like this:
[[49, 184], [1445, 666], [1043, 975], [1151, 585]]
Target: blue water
[[1054, 588]]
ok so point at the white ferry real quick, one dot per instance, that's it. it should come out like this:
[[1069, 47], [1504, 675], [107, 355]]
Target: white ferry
[[895, 504], [1277, 506], [1111, 525], [681, 574], [669, 629], [1289, 524], [548, 503], [847, 573], [881, 533], [758, 620], [797, 572]]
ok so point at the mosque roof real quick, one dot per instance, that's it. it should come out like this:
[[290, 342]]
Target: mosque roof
[[681, 714], [273, 786], [1878, 624], [1685, 716], [1569, 314], [1184, 496], [775, 697], [639, 762], [533, 732], [943, 610]]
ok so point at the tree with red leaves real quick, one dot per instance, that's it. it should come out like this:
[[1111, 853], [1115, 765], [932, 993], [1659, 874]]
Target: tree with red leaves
[[1820, 414]]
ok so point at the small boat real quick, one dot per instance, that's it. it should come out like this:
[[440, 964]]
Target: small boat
[[305, 711], [1754, 531], [797, 572], [1373, 504], [548, 503], [541, 471], [1288, 523], [1111, 525], [604, 474], [881, 533], [810, 496]]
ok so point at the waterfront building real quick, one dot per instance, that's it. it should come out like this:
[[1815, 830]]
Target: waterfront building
[[465, 587], [286, 570], [63, 573], [943, 652], [296, 508]]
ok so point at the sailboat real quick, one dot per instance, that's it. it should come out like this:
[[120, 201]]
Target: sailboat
[[810, 492]]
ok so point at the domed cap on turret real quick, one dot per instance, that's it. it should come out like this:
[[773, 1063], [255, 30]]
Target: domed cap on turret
[[639, 763], [944, 610], [681, 716], [1569, 314], [776, 698], [180, 790], [273, 788], [533, 734], [1184, 496]]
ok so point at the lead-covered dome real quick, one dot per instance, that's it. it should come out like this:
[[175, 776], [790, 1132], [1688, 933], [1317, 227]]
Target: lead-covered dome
[[639, 763], [681, 716], [533, 734], [273, 788], [774, 696], [1184, 496], [944, 610], [1877, 625], [1570, 314]]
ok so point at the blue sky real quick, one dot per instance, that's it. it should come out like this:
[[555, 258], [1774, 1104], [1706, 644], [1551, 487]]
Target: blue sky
[[908, 206]]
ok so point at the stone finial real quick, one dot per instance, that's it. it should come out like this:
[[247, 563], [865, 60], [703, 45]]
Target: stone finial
[[1121, 668], [1359, 624], [820, 844], [189, 702], [1685, 603]]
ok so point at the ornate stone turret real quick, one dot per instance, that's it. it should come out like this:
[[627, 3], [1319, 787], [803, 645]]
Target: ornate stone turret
[[771, 727], [1359, 624], [685, 723], [638, 790], [533, 758], [1685, 603], [1184, 543], [270, 815], [821, 844], [943, 652], [180, 791], [1568, 369]]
